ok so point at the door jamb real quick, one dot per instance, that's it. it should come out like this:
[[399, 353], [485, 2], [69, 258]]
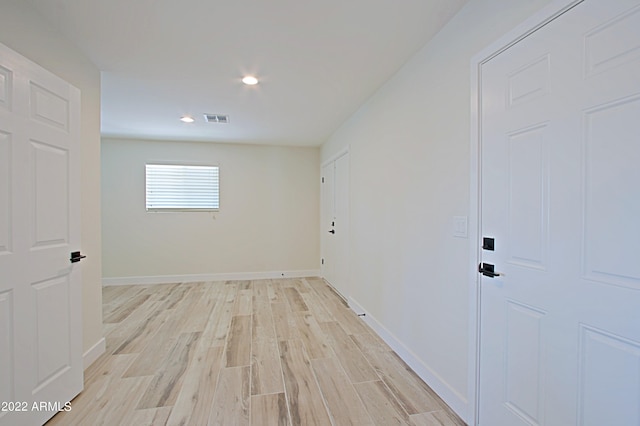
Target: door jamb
[[530, 25]]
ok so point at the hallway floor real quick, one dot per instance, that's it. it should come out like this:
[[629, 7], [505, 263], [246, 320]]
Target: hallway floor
[[264, 352]]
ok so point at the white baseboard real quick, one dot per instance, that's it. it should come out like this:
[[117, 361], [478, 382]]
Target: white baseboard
[[457, 402], [167, 279], [94, 353]]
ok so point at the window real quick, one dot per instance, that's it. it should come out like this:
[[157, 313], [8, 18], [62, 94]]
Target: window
[[175, 187]]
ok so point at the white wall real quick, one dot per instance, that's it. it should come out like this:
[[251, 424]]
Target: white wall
[[24, 31], [409, 147], [268, 219]]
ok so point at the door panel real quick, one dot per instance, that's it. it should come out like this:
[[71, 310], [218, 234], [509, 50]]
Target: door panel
[[49, 108], [40, 290], [607, 358], [51, 189], [611, 250], [523, 369], [5, 88], [529, 82], [560, 148], [51, 301], [528, 197], [613, 43], [6, 341], [5, 193]]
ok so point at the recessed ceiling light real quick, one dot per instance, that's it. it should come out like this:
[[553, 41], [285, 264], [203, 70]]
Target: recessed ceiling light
[[249, 80], [187, 119]]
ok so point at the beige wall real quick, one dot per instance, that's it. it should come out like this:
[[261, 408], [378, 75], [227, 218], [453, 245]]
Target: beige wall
[[268, 219], [408, 271], [22, 29]]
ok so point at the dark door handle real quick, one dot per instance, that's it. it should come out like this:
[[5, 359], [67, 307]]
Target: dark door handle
[[488, 270], [76, 256], [333, 231]]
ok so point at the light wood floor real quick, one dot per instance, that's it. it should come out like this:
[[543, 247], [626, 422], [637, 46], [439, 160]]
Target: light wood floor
[[267, 352]]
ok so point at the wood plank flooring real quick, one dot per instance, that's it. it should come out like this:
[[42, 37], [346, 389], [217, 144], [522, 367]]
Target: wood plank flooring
[[267, 352]]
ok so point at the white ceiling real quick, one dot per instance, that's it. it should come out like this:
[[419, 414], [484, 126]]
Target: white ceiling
[[317, 61]]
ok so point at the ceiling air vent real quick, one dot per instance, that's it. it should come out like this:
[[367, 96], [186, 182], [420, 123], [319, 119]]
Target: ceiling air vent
[[216, 118]]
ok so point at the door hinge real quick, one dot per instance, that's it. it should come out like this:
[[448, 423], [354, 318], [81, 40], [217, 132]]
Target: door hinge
[[322, 179], [323, 261]]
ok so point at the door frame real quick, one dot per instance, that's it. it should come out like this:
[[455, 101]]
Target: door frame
[[342, 152], [530, 25]]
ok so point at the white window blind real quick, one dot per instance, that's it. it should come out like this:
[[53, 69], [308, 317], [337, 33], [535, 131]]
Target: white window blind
[[182, 188]]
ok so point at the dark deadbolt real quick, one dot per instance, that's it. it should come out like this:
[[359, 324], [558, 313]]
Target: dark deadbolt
[[488, 244]]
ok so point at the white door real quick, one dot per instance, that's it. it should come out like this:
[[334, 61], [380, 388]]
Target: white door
[[40, 293], [560, 197], [335, 224], [327, 226]]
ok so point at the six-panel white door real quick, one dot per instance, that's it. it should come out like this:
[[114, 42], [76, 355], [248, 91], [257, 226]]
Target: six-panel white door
[[560, 149], [40, 289]]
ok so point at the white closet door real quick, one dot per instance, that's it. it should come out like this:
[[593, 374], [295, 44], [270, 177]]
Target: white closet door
[[335, 226]]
